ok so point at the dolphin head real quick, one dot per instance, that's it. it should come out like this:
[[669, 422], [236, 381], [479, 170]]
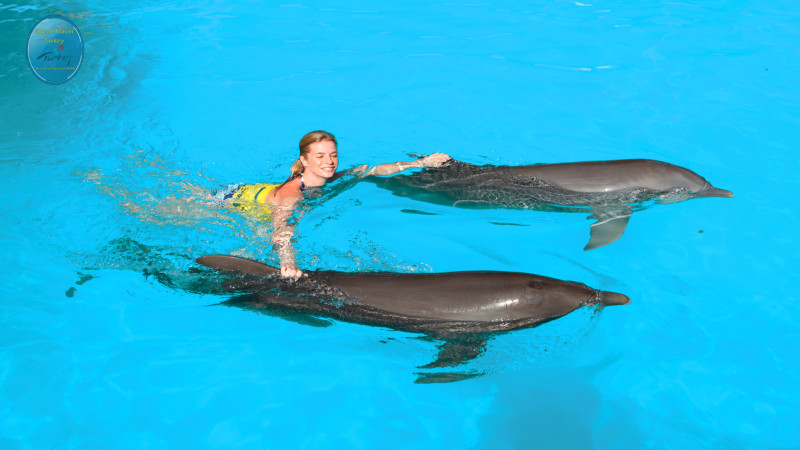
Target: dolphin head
[[694, 183], [552, 297], [659, 175]]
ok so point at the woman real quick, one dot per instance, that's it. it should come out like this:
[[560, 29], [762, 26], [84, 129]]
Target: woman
[[315, 166]]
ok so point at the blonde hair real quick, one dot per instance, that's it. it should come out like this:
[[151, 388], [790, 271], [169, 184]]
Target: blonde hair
[[305, 144]]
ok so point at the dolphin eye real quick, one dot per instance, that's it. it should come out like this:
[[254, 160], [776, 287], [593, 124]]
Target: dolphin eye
[[535, 284]]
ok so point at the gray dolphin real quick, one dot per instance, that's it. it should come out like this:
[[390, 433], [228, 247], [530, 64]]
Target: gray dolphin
[[461, 308], [608, 190], [442, 303]]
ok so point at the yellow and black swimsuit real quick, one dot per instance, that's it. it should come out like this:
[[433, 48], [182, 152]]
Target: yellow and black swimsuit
[[252, 197]]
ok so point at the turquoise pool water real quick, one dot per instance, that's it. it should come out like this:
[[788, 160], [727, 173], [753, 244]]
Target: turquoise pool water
[[97, 352]]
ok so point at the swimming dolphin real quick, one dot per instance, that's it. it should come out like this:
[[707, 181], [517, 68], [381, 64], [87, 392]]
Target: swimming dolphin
[[462, 308], [609, 190]]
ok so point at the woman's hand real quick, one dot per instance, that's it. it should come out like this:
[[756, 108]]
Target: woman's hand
[[290, 270], [434, 160]]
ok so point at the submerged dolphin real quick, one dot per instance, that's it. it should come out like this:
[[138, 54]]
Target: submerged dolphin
[[609, 190], [445, 306]]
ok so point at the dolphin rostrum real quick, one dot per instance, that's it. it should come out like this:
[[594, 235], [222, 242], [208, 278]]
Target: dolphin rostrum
[[608, 190], [440, 305]]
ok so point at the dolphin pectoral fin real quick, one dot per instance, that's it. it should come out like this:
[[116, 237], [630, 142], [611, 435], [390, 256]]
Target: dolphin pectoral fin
[[251, 302], [457, 351], [454, 352], [609, 227], [444, 377]]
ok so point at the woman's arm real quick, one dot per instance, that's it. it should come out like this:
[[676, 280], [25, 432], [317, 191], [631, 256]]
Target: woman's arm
[[433, 160], [282, 233], [284, 202]]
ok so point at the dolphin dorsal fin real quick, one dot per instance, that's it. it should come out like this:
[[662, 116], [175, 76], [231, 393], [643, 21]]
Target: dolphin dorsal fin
[[609, 227], [228, 263]]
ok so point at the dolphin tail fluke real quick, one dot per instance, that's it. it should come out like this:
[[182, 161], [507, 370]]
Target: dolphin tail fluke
[[228, 263], [608, 228], [714, 192]]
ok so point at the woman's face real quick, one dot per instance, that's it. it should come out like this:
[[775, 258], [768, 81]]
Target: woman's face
[[321, 161]]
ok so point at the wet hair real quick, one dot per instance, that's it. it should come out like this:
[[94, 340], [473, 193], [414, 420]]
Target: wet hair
[[305, 147]]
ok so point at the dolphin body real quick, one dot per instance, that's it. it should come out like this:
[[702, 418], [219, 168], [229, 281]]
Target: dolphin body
[[461, 308], [608, 190]]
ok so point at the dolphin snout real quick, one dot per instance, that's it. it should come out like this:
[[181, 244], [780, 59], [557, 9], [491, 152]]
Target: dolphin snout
[[613, 298], [714, 192]]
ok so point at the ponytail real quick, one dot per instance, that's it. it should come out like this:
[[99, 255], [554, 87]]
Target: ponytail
[[297, 169]]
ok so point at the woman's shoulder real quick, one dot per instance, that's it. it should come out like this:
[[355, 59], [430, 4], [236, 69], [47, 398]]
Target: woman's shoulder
[[288, 193]]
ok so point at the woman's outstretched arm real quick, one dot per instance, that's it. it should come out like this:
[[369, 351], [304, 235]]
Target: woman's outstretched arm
[[433, 160]]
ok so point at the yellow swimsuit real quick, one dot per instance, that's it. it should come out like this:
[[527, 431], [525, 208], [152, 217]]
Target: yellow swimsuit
[[253, 198]]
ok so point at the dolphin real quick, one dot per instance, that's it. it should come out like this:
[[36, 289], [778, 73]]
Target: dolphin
[[607, 190], [461, 308]]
